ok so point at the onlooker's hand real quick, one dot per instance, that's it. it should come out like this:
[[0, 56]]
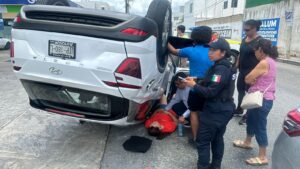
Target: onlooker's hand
[[190, 81], [181, 119]]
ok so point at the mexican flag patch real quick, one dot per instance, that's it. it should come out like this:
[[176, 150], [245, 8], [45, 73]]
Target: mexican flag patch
[[216, 78]]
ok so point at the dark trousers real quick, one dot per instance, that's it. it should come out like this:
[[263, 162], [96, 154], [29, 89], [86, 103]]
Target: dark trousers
[[210, 137], [242, 87], [257, 123], [179, 108], [195, 101]]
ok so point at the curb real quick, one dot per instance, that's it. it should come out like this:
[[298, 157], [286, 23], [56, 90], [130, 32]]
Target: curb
[[292, 62]]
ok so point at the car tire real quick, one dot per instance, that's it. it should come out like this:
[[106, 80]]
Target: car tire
[[7, 46], [233, 57], [160, 11], [53, 2]]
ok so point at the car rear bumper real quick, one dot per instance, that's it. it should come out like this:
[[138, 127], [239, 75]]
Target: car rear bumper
[[120, 122]]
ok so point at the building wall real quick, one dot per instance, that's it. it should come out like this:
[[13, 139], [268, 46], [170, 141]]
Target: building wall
[[229, 27], [177, 19], [226, 21], [210, 9], [189, 19], [288, 36]]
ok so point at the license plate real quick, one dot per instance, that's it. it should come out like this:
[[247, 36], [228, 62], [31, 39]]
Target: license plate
[[65, 50]]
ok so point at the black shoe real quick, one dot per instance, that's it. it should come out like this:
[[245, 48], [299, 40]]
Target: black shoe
[[242, 121], [192, 143], [238, 112], [187, 125], [216, 164], [214, 167]]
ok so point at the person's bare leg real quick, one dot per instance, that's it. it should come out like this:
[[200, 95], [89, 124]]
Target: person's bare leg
[[263, 154], [194, 124], [248, 140], [163, 100]]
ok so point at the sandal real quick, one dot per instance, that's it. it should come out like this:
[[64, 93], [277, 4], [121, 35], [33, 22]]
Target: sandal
[[241, 144], [256, 162]]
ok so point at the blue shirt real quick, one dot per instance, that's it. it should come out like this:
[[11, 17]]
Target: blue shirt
[[199, 60]]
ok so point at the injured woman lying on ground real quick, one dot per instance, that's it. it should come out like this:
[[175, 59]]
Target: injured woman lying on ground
[[162, 122]]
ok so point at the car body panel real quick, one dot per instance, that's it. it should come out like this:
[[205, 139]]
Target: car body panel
[[87, 71], [286, 154], [3, 42], [234, 45], [152, 79], [84, 22]]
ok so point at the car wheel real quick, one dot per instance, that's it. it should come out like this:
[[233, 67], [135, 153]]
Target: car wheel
[[53, 2], [7, 46], [233, 57], [160, 11]]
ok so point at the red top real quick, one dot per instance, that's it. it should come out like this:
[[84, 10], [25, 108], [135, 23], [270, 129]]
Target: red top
[[164, 119]]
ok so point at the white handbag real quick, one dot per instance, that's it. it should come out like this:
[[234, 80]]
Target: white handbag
[[254, 100]]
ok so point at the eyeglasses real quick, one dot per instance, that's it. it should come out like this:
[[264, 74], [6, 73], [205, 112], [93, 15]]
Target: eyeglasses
[[247, 30]]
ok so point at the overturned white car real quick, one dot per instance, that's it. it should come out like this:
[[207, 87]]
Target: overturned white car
[[99, 66]]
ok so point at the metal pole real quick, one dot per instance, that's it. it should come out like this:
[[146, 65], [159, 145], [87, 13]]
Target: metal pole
[[126, 6]]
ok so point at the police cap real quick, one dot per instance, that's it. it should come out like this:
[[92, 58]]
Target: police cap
[[221, 44]]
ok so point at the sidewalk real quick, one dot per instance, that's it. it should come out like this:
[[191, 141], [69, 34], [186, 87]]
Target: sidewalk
[[291, 60]]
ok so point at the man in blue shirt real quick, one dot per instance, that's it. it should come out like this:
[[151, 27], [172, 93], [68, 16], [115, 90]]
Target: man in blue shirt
[[198, 58], [199, 63]]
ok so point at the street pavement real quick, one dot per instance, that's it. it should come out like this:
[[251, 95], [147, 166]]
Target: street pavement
[[33, 139]]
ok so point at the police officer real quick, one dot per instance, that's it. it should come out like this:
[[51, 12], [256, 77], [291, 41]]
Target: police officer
[[217, 89]]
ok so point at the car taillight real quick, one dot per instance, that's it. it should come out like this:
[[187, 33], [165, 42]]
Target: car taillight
[[12, 49], [135, 32], [17, 19], [292, 123], [130, 67]]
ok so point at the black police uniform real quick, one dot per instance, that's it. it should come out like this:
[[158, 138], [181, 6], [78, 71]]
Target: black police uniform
[[217, 89]]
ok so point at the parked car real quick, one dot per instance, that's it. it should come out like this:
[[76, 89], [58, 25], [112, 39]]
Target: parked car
[[286, 152], [4, 43], [98, 66], [235, 49]]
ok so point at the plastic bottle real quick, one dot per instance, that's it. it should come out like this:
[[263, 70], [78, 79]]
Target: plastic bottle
[[180, 129]]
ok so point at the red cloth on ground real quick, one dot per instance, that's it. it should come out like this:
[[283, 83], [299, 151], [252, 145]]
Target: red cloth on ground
[[164, 119]]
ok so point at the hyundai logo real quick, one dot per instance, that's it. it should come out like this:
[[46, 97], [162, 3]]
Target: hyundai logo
[[55, 71]]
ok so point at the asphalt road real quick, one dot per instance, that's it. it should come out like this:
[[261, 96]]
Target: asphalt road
[[33, 139]]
